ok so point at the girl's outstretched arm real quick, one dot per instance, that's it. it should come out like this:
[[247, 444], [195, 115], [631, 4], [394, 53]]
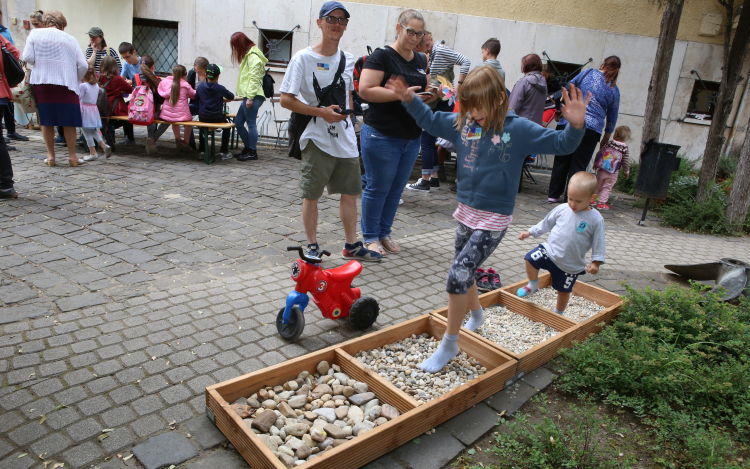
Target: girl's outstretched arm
[[440, 124]]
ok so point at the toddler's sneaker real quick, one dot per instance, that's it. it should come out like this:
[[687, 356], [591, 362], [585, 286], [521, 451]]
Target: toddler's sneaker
[[601, 206], [526, 290], [483, 282], [494, 279], [359, 252], [313, 250]]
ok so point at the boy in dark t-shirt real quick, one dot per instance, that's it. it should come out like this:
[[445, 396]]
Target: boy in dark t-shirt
[[211, 97]]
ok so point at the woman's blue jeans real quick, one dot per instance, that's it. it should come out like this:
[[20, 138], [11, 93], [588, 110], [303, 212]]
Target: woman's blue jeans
[[247, 116], [388, 165], [429, 154]]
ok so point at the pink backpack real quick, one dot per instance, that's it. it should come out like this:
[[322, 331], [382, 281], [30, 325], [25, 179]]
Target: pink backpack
[[141, 108]]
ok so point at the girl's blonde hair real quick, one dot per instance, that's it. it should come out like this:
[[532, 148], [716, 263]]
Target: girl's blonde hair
[[178, 74], [622, 133], [90, 77], [108, 67], [483, 89]]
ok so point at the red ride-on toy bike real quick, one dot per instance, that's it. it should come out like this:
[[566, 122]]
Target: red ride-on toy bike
[[332, 293]]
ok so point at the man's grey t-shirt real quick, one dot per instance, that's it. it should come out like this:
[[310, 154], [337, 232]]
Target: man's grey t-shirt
[[571, 236]]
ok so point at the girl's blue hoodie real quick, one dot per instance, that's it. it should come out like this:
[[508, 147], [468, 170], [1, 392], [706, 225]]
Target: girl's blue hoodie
[[489, 164]]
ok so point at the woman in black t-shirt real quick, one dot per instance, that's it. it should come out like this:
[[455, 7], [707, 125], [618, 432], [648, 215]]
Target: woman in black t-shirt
[[390, 136]]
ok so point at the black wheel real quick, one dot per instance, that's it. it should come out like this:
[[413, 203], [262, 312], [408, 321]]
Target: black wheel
[[363, 313], [295, 327]]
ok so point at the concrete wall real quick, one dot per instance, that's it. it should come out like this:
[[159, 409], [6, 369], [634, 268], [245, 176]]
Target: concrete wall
[[571, 32]]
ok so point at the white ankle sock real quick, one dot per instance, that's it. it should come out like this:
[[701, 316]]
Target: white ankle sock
[[476, 319], [533, 285], [448, 349]]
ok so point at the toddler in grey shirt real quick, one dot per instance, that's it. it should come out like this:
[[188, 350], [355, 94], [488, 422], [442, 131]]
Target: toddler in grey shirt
[[574, 229]]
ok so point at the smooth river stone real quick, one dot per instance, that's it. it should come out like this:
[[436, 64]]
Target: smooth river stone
[[307, 439], [303, 452], [287, 411], [269, 442], [362, 398], [388, 411], [328, 414], [341, 412], [334, 432], [360, 388], [242, 410], [372, 413], [253, 403], [302, 391], [380, 421], [343, 378], [287, 460], [338, 389], [348, 391], [297, 402], [294, 443], [291, 386], [296, 428], [321, 390], [311, 416], [323, 367], [339, 442], [269, 404], [362, 427], [371, 404], [264, 420], [318, 434], [355, 414]]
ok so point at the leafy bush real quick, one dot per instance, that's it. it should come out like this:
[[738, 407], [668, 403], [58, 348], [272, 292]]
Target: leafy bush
[[572, 443], [727, 166], [681, 360], [626, 185]]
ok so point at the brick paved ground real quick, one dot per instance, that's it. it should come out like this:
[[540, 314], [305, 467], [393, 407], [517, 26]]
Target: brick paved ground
[[128, 285]]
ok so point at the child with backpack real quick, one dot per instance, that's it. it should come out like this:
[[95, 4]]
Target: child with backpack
[[612, 156], [211, 97], [492, 143], [88, 91], [176, 91], [148, 77]]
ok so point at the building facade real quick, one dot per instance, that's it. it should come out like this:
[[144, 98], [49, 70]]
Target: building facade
[[570, 32]]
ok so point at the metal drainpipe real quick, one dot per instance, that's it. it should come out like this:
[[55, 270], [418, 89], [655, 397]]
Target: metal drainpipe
[[740, 108]]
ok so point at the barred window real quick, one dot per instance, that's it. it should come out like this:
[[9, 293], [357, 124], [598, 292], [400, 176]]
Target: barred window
[[158, 39], [702, 100]]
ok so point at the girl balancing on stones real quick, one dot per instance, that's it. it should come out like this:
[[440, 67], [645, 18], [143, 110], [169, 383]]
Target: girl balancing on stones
[[492, 143]]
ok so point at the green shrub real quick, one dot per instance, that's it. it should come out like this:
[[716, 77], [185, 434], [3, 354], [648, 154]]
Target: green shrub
[[727, 166], [681, 360], [554, 442], [625, 185]]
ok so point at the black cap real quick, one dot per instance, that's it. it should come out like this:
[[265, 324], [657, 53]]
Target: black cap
[[328, 7], [213, 71]]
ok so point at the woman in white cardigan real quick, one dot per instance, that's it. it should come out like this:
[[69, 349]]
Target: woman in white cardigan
[[59, 66]]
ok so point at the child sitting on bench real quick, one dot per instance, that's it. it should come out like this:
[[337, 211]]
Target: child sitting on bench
[[211, 97], [575, 228]]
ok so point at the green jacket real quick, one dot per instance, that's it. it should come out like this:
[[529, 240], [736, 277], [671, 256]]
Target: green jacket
[[250, 80]]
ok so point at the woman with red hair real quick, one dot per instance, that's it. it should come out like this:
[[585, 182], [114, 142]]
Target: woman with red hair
[[249, 87]]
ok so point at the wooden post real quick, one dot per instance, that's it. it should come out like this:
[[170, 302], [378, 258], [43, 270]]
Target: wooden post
[[734, 59], [657, 88], [739, 197]]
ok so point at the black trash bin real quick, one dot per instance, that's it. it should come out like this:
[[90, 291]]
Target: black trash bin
[[657, 161]]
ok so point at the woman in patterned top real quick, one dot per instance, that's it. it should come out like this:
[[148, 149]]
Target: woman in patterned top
[[98, 44], [604, 105]]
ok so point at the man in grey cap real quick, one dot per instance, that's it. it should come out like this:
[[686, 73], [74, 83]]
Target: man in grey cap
[[318, 86], [98, 44]]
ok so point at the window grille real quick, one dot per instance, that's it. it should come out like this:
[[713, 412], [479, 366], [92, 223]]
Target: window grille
[[159, 39]]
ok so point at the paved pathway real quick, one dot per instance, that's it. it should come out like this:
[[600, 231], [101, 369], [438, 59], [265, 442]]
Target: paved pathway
[[128, 285]]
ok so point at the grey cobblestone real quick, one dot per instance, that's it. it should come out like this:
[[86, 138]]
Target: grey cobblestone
[[28, 433], [94, 406], [118, 417], [62, 418], [125, 394], [51, 445], [83, 430], [148, 425]]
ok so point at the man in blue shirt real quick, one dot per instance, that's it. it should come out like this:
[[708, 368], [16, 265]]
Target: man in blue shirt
[[9, 114], [132, 66]]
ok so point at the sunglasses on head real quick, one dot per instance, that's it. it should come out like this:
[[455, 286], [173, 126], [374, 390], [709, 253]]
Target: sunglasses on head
[[333, 19], [412, 32]]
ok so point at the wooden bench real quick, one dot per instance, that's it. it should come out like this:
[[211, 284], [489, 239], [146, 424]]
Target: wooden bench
[[205, 128]]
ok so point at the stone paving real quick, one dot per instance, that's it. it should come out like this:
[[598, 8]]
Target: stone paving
[[128, 285]]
